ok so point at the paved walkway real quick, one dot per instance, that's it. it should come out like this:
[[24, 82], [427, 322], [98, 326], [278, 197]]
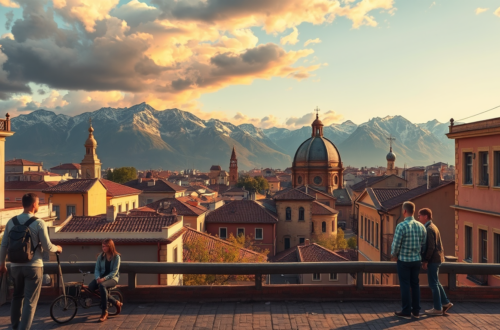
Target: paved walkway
[[274, 315]]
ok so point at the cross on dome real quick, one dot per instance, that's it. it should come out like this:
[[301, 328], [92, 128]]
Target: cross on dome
[[317, 110], [390, 138]]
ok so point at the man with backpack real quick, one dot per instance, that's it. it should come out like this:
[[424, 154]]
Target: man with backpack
[[24, 239]]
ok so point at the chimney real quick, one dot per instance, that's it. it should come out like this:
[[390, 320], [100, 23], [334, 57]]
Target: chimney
[[111, 212], [139, 180], [433, 180], [306, 242], [152, 182]]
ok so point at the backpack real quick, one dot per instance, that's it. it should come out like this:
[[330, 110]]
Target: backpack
[[21, 249]]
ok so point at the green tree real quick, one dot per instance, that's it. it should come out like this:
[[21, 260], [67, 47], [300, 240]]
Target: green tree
[[352, 242], [124, 174], [222, 253], [253, 184], [332, 242], [109, 175]]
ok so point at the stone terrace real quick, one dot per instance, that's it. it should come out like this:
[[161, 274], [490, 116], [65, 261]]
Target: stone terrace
[[273, 315]]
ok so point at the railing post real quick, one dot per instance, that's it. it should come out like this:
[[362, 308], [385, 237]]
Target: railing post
[[258, 281], [359, 280], [132, 280], [452, 277]]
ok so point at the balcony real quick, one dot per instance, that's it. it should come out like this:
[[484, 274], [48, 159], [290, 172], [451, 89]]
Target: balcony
[[5, 124]]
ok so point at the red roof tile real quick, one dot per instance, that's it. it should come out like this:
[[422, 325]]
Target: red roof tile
[[21, 162], [165, 206], [368, 182], [322, 209], [220, 188], [384, 194], [160, 185], [29, 185], [99, 224], [292, 194], [317, 253], [272, 179], [73, 186], [115, 189], [67, 166], [289, 255], [349, 254], [41, 173], [412, 194], [242, 211]]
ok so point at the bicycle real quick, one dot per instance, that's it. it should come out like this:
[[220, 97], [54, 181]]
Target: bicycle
[[64, 307]]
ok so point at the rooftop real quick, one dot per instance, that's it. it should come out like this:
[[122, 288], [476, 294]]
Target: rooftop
[[154, 185], [72, 186], [322, 209], [29, 185], [67, 166], [21, 162], [165, 206], [99, 224], [114, 189], [412, 194], [313, 253], [292, 194], [242, 211]]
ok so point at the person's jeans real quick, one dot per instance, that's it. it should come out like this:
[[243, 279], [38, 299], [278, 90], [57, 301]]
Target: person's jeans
[[438, 294], [93, 286], [27, 286], [409, 284]]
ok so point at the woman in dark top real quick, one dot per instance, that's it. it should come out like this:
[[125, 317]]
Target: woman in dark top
[[106, 276]]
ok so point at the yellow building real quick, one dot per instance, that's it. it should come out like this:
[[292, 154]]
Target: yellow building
[[123, 197]]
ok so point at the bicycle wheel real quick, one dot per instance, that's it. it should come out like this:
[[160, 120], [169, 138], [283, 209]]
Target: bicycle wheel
[[112, 308], [63, 309]]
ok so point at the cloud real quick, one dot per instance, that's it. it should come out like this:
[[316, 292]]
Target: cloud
[[291, 39], [432, 4], [497, 12], [312, 41], [9, 18], [330, 117], [135, 13], [480, 10], [85, 11], [9, 3]]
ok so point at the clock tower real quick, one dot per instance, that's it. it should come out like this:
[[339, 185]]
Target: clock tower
[[91, 165], [233, 169]]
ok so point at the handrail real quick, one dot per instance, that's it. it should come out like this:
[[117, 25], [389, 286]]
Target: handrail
[[132, 268]]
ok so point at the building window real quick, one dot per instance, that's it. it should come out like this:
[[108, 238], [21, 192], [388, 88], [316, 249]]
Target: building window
[[483, 246], [484, 177], [70, 209], [361, 225], [369, 236], [175, 254], [299, 180], [259, 234], [333, 226], [201, 227], [301, 213], [366, 230], [302, 240], [18, 199], [288, 213], [496, 165], [120, 208], [317, 180], [241, 231], [126, 207], [133, 205], [497, 248], [223, 233], [468, 243], [323, 227], [336, 180], [334, 277], [312, 227], [316, 277], [287, 243], [376, 235], [468, 168], [57, 209]]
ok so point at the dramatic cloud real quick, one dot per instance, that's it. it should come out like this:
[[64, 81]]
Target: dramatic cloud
[[329, 118], [9, 18], [292, 38], [312, 41], [481, 10], [85, 11], [9, 3], [497, 12]]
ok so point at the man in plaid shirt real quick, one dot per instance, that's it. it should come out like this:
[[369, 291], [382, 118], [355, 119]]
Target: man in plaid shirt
[[409, 239]]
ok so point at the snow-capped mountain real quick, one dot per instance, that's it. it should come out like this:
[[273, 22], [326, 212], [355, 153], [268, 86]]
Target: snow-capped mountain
[[143, 137]]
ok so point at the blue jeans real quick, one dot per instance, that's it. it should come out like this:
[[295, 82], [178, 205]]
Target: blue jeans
[[438, 294], [409, 284], [93, 286]]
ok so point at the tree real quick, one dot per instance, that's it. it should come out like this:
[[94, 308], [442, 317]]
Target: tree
[[253, 184], [109, 175], [332, 242], [352, 243], [124, 174], [222, 253]]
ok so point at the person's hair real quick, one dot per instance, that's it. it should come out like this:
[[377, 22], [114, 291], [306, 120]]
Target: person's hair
[[409, 207], [426, 212], [111, 246], [29, 199]]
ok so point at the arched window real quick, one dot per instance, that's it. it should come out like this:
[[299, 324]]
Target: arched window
[[333, 226], [312, 227], [288, 214], [301, 213], [323, 226], [336, 180], [299, 180]]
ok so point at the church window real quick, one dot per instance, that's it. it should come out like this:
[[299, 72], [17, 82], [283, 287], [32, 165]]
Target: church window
[[323, 226], [333, 226], [288, 214], [317, 180], [299, 180], [312, 227], [336, 180], [301, 213]]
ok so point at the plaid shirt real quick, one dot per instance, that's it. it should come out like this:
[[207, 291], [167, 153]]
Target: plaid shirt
[[409, 239]]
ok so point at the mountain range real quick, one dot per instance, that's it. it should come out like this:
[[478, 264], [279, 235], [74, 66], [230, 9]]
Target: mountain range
[[146, 138]]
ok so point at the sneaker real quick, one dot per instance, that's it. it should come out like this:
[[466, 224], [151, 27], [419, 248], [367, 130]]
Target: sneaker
[[447, 307], [433, 312], [415, 314], [401, 315]]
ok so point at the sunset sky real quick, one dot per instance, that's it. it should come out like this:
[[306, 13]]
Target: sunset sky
[[266, 62]]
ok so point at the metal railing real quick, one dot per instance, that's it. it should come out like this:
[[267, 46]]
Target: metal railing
[[5, 123], [259, 269]]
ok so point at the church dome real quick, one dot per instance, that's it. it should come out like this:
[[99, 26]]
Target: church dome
[[91, 142], [317, 148], [391, 156]]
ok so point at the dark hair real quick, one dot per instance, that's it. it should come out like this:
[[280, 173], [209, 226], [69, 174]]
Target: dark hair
[[409, 207], [29, 199], [426, 212], [111, 245]]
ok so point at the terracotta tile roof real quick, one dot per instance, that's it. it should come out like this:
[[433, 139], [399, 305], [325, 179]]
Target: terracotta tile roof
[[128, 224], [41, 173], [269, 204], [292, 194], [132, 241], [412, 194], [321, 209], [289, 255], [67, 166], [215, 168], [349, 254], [368, 182], [242, 211], [29, 185], [342, 196], [316, 253], [272, 179], [21, 162], [220, 188], [182, 208], [114, 189], [160, 185], [314, 192], [72, 186], [384, 194], [211, 243]]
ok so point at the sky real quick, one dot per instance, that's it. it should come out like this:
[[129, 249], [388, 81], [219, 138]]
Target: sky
[[265, 62]]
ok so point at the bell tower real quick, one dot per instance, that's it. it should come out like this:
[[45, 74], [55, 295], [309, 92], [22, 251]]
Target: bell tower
[[233, 169], [91, 165]]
